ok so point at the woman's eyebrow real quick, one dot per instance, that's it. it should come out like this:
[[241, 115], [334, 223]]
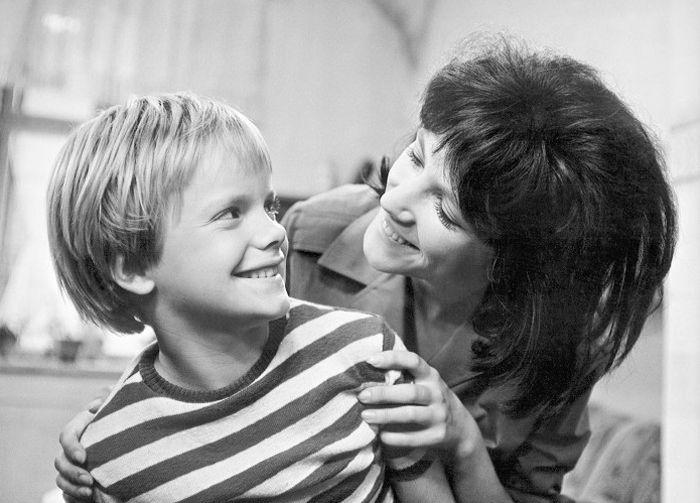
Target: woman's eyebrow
[[420, 138]]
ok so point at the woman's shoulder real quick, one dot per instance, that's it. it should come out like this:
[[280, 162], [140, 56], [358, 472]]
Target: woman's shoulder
[[344, 203], [322, 217]]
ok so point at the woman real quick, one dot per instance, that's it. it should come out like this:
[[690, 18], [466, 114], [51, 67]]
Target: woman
[[518, 246]]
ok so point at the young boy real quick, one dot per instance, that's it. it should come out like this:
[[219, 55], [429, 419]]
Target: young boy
[[161, 212]]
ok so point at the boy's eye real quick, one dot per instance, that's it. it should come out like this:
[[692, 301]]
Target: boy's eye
[[231, 213], [273, 207]]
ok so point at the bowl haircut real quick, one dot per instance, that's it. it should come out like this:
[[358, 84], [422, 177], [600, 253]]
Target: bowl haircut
[[117, 179]]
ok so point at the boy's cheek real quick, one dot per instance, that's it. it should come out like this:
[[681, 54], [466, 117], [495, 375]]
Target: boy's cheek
[[283, 265]]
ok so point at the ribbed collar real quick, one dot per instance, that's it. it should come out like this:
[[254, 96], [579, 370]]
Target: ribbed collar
[[160, 385]]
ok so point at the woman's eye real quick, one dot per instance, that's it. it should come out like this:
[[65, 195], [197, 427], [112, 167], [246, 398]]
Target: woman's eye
[[273, 208], [414, 157], [442, 216]]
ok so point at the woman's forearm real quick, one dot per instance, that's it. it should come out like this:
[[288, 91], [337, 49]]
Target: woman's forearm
[[473, 477]]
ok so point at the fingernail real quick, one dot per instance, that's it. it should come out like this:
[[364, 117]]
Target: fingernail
[[364, 395], [86, 491], [86, 479], [79, 456], [374, 360], [368, 415]]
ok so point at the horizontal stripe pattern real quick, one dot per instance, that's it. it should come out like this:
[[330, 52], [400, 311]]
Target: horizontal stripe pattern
[[294, 433]]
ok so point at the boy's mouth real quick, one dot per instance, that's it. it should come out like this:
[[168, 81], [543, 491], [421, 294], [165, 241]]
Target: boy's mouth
[[261, 273]]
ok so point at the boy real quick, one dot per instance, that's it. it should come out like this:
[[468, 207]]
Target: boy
[[161, 212]]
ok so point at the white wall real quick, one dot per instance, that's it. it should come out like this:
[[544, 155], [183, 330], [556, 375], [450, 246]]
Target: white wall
[[681, 427]]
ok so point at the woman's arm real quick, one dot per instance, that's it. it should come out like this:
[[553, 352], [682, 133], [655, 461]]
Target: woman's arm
[[431, 485]]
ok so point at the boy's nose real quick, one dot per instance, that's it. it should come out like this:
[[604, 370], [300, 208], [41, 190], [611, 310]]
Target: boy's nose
[[271, 234]]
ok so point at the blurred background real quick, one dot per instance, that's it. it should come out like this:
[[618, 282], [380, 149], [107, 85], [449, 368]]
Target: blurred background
[[333, 85]]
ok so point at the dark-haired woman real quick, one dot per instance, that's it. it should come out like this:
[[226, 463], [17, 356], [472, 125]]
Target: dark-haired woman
[[518, 245]]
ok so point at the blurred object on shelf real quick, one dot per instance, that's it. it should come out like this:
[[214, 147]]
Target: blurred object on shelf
[[7, 340], [67, 349]]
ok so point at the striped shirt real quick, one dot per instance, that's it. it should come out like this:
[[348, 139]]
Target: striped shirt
[[290, 429]]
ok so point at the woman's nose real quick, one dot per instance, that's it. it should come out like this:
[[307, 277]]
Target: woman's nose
[[398, 201]]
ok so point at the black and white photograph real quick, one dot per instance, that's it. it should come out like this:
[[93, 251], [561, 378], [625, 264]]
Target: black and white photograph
[[339, 251]]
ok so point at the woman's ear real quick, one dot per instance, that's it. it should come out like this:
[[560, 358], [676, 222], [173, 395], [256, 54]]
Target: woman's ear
[[137, 282]]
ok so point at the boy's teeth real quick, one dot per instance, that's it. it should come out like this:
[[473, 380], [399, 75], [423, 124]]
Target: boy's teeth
[[266, 272]]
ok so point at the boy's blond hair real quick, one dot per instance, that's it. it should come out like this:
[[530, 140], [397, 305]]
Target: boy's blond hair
[[114, 182]]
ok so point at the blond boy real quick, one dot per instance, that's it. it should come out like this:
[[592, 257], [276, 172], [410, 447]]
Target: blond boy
[[162, 213]]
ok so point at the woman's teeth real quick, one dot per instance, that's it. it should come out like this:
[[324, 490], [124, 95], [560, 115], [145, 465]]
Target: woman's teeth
[[265, 272], [391, 234]]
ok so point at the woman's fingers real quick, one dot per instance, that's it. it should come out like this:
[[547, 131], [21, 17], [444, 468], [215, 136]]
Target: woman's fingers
[[70, 437], [406, 415], [429, 437], [401, 360], [71, 473], [73, 492], [72, 479], [409, 393]]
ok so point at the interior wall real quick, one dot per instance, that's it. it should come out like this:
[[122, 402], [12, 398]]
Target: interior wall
[[681, 427], [627, 40]]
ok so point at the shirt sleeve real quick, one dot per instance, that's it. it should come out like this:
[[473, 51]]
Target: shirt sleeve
[[535, 471]]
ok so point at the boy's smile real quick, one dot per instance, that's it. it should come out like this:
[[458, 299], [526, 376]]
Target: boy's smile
[[220, 272], [262, 272]]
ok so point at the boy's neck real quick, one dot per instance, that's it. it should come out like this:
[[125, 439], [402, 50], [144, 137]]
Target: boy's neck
[[211, 362]]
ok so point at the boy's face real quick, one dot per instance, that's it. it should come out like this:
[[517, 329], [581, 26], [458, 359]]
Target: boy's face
[[222, 258]]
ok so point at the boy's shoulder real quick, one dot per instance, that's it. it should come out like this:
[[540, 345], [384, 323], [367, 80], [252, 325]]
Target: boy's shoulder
[[339, 322], [300, 308], [117, 410]]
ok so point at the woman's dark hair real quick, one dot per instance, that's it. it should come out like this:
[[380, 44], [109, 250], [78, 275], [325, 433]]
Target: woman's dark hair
[[557, 175]]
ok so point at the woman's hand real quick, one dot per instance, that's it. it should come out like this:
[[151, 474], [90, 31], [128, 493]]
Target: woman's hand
[[72, 479], [427, 414], [424, 413]]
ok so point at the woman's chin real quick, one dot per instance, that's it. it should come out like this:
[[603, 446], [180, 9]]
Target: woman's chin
[[383, 254]]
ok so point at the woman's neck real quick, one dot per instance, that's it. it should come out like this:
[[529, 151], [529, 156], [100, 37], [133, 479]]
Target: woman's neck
[[439, 317], [443, 307]]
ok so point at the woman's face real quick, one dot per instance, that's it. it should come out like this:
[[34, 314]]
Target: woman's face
[[419, 230]]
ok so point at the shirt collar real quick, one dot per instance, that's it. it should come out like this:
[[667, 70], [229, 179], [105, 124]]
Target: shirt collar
[[345, 255]]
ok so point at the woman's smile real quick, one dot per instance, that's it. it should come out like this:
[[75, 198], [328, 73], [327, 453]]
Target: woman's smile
[[391, 233]]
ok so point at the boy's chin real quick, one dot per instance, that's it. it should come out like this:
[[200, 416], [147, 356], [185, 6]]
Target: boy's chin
[[283, 307]]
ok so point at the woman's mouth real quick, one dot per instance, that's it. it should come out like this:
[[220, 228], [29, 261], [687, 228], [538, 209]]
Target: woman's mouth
[[393, 235]]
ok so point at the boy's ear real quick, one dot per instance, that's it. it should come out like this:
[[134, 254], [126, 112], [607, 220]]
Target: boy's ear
[[133, 281]]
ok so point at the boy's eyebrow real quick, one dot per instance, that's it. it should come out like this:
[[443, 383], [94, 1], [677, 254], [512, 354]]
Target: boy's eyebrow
[[238, 199]]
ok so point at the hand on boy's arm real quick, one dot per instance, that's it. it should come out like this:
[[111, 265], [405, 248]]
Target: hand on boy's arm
[[72, 479], [427, 414]]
